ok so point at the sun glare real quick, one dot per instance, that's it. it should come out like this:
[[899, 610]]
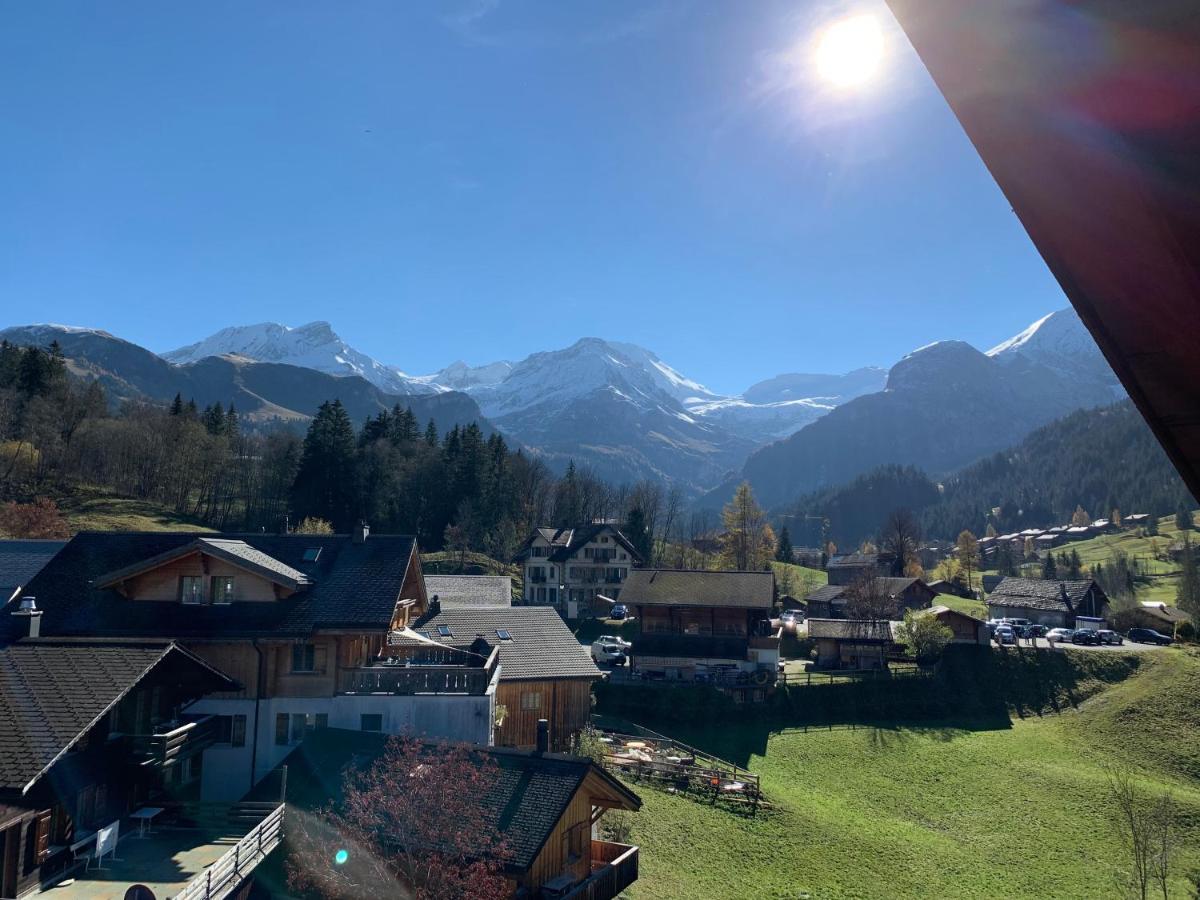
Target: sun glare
[[849, 51]]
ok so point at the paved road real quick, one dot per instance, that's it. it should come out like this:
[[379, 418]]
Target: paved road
[[1128, 645]]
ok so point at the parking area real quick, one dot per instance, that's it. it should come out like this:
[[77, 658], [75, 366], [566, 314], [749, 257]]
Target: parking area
[[1101, 648]]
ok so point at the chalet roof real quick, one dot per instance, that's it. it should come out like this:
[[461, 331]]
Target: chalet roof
[[1049, 536], [542, 647], [351, 586], [826, 593], [53, 692], [893, 587], [854, 561], [947, 611], [1037, 593], [524, 804], [20, 561], [566, 542], [237, 552], [861, 630], [470, 590], [1164, 611], [669, 587], [1079, 529]]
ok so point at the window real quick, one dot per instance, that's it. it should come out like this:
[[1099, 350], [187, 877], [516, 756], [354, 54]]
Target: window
[[444, 631], [371, 722], [191, 589], [222, 589], [304, 658], [237, 731], [322, 720], [299, 724], [223, 729], [312, 554], [531, 700], [503, 634], [281, 729]]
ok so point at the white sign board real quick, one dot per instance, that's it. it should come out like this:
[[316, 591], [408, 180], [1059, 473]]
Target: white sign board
[[106, 839]]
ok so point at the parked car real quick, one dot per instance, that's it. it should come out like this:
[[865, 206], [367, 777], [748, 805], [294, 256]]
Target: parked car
[[613, 640], [619, 611], [1034, 631], [609, 654], [1086, 637], [790, 618], [1110, 637], [1005, 635], [1059, 634], [1148, 636], [1015, 623]]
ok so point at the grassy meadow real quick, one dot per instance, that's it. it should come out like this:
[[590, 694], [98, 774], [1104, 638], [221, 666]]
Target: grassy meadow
[[1015, 806]]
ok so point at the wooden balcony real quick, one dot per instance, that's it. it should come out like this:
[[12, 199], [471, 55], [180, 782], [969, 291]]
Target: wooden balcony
[[614, 868], [688, 646], [767, 641], [432, 671], [172, 742]]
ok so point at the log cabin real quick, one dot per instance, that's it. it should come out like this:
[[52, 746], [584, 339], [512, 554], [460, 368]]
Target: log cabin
[[705, 626], [92, 731], [545, 673], [544, 806], [298, 621]]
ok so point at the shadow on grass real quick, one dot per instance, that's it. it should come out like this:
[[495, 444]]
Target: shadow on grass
[[974, 689]]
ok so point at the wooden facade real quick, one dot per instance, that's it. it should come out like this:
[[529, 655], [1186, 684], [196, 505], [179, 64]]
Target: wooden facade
[[565, 702]]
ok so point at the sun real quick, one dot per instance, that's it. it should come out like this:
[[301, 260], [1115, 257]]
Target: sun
[[849, 51]]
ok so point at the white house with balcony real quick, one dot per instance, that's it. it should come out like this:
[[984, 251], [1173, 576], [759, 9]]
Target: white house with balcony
[[578, 570]]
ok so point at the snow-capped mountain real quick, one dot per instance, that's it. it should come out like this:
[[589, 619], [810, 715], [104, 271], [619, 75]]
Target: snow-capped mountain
[[459, 376], [312, 346], [1059, 343]]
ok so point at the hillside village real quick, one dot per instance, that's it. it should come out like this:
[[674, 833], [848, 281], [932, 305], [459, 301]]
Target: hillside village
[[187, 695]]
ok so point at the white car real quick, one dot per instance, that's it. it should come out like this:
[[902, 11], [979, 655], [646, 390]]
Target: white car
[[613, 641], [608, 653], [790, 618], [1060, 635]]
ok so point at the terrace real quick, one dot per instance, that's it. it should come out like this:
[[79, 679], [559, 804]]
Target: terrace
[[209, 855], [614, 868], [425, 669]]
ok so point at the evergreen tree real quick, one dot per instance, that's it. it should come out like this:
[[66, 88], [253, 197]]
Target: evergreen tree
[[639, 535], [191, 412], [1050, 568], [177, 406], [783, 551], [231, 425], [431, 434], [214, 419], [1075, 569], [325, 483], [1187, 596], [1183, 517], [1152, 526]]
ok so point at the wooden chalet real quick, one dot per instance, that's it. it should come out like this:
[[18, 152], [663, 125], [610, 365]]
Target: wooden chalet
[[545, 673], [852, 644], [831, 601], [298, 621], [1046, 602], [704, 626], [849, 567], [965, 628], [545, 806], [94, 735]]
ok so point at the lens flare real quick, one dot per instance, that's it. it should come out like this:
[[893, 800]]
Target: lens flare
[[849, 52], [339, 858]]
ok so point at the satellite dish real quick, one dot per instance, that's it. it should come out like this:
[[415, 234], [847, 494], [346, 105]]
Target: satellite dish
[[139, 892]]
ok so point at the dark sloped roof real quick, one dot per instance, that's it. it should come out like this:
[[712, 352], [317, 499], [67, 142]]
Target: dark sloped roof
[[470, 590], [854, 560], [353, 586], [567, 541], [669, 587], [234, 551], [20, 561], [542, 646], [826, 593], [893, 587], [53, 692], [526, 801], [850, 629], [1036, 593]]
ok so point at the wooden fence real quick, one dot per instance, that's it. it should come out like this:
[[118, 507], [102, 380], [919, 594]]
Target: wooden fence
[[615, 867], [226, 874]]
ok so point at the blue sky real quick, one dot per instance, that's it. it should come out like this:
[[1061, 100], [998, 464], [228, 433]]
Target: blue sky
[[480, 180]]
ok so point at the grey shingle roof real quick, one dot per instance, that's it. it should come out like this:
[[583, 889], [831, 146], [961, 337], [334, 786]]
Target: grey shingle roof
[[352, 586], [1035, 593], [234, 551], [542, 646], [827, 592], [565, 542], [850, 629], [20, 561], [470, 590], [53, 692], [668, 587], [890, 586], [524, 803]]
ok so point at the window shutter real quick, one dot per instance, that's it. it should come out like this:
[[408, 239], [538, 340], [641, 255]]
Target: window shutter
[[320, 658], [43, 836]]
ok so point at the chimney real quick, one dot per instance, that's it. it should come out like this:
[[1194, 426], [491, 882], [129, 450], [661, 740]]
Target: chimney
[[543, 736], [360, 532], [29, 610]]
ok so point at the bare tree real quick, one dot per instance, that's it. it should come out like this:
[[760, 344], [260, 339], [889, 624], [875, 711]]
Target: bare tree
[[1149, 830], [900, 538]]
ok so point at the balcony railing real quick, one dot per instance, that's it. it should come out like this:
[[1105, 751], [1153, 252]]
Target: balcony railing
[[229, 873], [614, 868], [767, 641], [175, 741], [691, 646], [452, 672]]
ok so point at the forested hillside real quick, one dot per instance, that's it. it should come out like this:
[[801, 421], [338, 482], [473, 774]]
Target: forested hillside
[[59, 437], [1101, 459]]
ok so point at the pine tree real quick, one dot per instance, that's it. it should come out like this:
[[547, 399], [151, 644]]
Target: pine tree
[[639, 535], [177, 406], [783, 551], [431, 434], [1152, 526], [1076, 566], [325, 485], [232, 424], [214, 419], [1183, 518], [1050, 568]]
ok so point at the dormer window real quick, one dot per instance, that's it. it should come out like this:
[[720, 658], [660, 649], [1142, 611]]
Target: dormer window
[[222, 589], [191, 589], [312, 554]]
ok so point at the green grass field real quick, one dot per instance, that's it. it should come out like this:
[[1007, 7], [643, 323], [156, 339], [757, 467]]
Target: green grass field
[[1007, 809], [94, 511], [798, 581]]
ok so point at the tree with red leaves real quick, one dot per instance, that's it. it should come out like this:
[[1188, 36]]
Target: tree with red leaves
[[412, 823], [40, 519]]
